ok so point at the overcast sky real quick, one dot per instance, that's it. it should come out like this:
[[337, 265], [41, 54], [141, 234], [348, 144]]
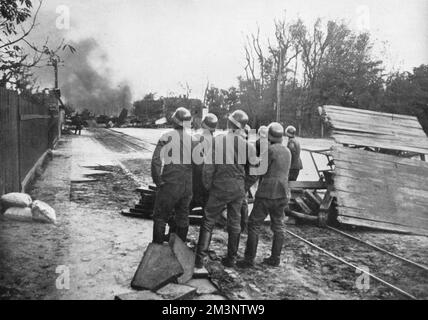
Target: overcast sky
[[157, 44]]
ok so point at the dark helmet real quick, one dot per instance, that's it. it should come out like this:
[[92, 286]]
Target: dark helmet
[[290, 131], [275, 132], [180, 116], [210, 122], [238, 119]]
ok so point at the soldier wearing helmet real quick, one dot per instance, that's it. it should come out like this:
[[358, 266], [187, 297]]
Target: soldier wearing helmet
[[171, 170], [204, 139], [271, 198], [227, 181], [294, 146]]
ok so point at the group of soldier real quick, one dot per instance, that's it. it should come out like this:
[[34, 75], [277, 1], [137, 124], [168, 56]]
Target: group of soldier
[[223, 180]]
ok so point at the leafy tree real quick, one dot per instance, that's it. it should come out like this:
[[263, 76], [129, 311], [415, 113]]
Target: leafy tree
[[17, 55], [407, 93]]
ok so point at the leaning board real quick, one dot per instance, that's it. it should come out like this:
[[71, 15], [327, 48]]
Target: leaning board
[[381, 191], [375, 129]]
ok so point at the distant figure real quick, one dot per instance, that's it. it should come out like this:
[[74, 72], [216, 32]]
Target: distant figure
[[294, 146], [78, 125]]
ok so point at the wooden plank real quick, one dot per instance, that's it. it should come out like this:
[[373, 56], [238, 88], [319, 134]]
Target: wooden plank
[[372, 119], [376, 129], [410, 215], [368, 112], [343, 153], [402, 139], [389, 130], [307, 185], [303, 206], [380, 225], [379, 143], [349, 184], [382, 175]]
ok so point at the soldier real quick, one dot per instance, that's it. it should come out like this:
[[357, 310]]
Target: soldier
[[172, 173], [205, 141], [271, 198], [78, 124], [227, 183], [262, 133], [244, 207], [294, 146]]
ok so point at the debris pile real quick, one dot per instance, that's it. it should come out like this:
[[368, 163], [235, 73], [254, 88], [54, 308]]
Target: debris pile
[[144, 208], [166, 272]]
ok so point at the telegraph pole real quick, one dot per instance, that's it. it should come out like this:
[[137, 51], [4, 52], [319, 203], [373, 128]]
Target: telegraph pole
[[278, 88]]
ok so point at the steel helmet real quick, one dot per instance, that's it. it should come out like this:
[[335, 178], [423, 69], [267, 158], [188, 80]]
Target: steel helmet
[[210, 122], [263, 131], [238, 119], [290, 131], [275, 132], [180, 116]]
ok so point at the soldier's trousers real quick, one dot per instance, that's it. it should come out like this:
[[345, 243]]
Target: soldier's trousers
[[215, 207], [173, 197], [263, 207], [293, 174]]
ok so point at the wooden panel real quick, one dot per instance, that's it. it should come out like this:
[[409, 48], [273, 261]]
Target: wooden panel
[[370, 113], [381, 190], [9, 157], [375, 129]]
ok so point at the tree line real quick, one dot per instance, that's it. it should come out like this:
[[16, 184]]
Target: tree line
[[305, 66]]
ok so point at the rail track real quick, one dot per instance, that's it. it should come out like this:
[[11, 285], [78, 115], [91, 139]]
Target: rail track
[[327, 250]]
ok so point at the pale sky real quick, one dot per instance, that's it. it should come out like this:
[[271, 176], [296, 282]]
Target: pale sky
[[157, 44]]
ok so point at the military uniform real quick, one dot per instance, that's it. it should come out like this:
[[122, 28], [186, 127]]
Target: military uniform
[[227, 183], [205, 142], [271, 198], [174, 181], [296, 162]]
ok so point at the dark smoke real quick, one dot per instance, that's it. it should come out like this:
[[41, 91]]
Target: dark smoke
[[81, 84], [85, 88]]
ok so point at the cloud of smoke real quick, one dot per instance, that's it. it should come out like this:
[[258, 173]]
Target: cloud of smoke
[[85, 81]]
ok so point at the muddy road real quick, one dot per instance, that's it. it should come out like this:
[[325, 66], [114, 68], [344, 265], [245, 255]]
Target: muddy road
[[92, 177]]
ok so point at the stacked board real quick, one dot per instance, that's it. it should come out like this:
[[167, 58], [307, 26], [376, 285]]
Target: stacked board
[[361, 127], [381, 191]]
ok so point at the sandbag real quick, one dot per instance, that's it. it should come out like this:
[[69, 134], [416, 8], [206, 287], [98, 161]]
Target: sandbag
[[15, 199], [43, 212], [20, 214]]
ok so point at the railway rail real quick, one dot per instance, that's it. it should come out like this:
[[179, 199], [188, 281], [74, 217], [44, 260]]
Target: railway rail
[[355, 266]]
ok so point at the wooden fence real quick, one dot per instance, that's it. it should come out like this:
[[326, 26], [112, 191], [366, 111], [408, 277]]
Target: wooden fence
[[28, 130]]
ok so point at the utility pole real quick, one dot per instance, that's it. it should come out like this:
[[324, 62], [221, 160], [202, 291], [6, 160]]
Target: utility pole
[[278, 88], [55, 66]]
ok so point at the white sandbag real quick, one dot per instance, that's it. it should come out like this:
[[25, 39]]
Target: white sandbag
[[15, 199], [20, 214], [43, 212]]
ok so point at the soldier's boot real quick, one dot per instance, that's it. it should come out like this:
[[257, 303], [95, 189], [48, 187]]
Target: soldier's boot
[[274, 259], [202, 248], [232, 250], [182, 233], [250, 251], [159, 232]]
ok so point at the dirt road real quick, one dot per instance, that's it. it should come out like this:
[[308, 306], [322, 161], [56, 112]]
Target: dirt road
[[92, 177]]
